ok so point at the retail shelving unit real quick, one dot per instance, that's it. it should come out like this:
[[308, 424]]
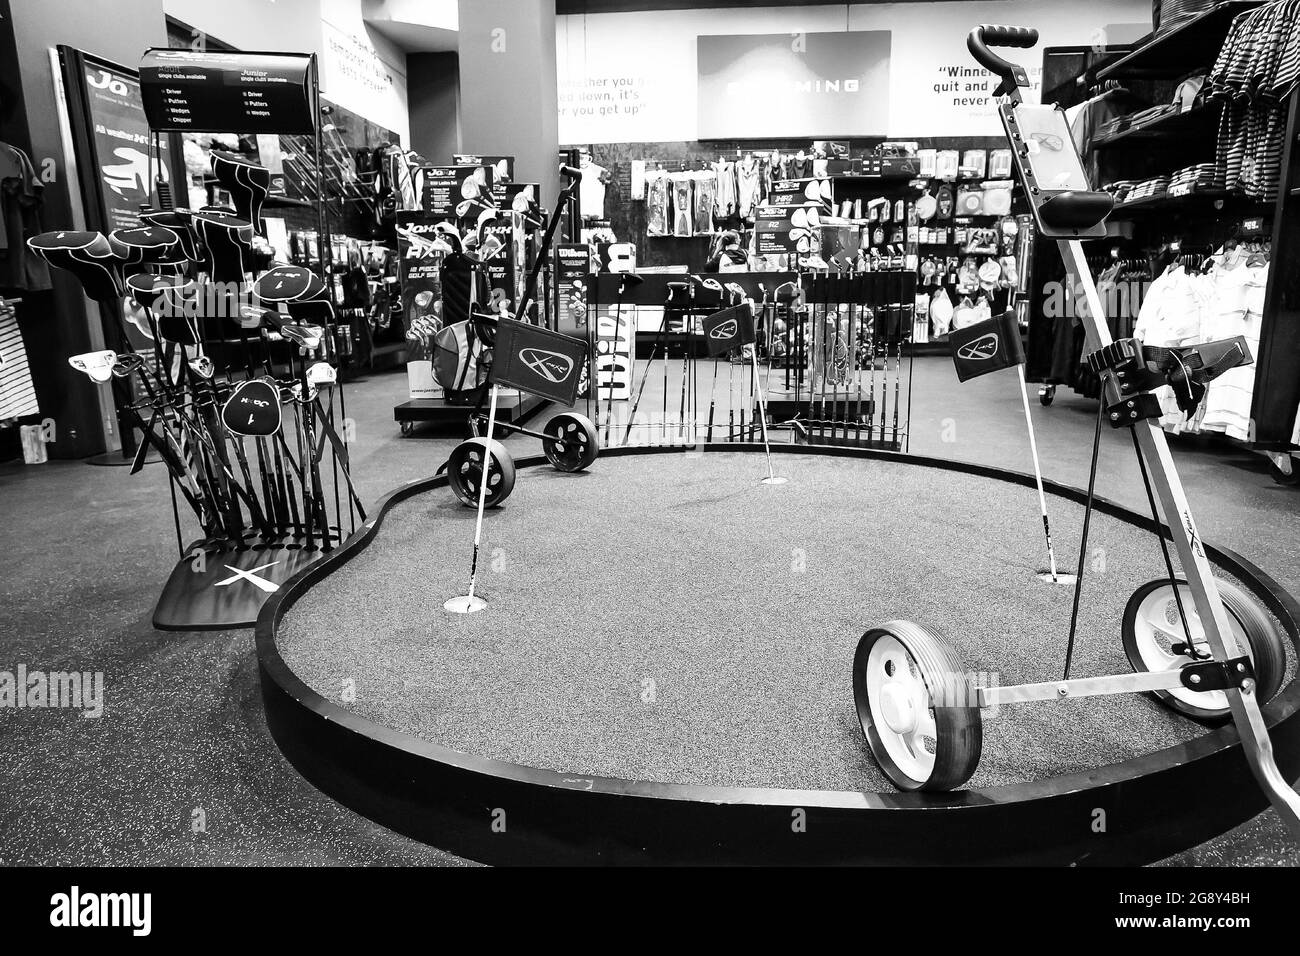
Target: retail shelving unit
[[1166, 57], [1174, 52]]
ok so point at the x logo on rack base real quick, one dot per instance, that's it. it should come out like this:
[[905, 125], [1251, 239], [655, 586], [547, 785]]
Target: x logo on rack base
[[251, 577]]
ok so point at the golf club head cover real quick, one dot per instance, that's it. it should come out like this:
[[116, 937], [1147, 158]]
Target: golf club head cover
[[247, 182], [150, 245], [314, 311], [180, 222], [289, 284], [253, 409], [174, 303], [147, 289], [228, 240], [97, 365], [92, 257], [708, 292]]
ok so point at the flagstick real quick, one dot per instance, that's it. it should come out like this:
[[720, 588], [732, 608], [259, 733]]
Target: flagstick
[[754, 390], [469, 603], [1038, 474]]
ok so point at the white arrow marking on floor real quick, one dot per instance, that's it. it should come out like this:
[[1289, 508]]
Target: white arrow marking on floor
[[252, 578]]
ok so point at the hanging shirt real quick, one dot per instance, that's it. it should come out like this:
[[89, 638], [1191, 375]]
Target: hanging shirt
[[657, 204], [1237, 309], [20, 204], [683, 205], [706, 193], [748, 185], [725, 203], [591, 192]]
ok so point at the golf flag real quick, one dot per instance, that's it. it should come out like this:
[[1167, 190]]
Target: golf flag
[[729, 329], [987, 346], [537, 360]]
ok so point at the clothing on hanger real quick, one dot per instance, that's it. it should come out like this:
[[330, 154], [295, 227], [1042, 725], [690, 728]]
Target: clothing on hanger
[[591, 191], [21, 197]]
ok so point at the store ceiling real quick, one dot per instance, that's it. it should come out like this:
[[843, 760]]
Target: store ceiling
[[625, 6]]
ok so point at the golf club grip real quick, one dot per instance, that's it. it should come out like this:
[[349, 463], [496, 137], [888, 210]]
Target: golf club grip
[[986, 35], [575, 174]]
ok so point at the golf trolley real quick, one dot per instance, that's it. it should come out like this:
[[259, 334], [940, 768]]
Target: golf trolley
[[1213, 659], [569, 440]]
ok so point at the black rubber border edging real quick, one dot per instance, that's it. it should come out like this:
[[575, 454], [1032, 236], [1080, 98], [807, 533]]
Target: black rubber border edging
[[496, 812]]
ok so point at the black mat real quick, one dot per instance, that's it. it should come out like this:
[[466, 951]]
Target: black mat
[[669, 618]]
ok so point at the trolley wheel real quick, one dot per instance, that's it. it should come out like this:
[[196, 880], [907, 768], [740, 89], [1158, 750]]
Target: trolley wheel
[[1284, 469], [571, 442], [1152, 626], [917, 706], [465, 472], [1046, 394], [407, 428]]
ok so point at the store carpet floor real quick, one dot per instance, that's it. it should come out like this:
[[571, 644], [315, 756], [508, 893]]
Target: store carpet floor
[[181, 768], [671, 619]]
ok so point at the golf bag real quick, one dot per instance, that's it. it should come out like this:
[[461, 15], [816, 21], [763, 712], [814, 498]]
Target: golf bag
[[462, 359], [462, 350]]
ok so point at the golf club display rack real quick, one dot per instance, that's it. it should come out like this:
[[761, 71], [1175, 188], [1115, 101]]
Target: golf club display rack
[[239, 347], [847, 327], [831, 353], [689, 414]]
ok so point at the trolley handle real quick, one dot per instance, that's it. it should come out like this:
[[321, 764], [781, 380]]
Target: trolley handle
[[986, 35], [574, 175]]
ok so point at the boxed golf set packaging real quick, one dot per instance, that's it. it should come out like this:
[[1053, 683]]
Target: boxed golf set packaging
[[503, 167], [787, 230], [518, 197], [450, 190], [419, 269], [500, 265], [572, 267]]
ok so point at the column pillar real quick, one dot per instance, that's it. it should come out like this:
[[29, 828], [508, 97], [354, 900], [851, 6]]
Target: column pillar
[[508, 98]]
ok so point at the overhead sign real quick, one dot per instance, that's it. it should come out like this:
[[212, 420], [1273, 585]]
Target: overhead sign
[[819, 84], [227, 92]]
